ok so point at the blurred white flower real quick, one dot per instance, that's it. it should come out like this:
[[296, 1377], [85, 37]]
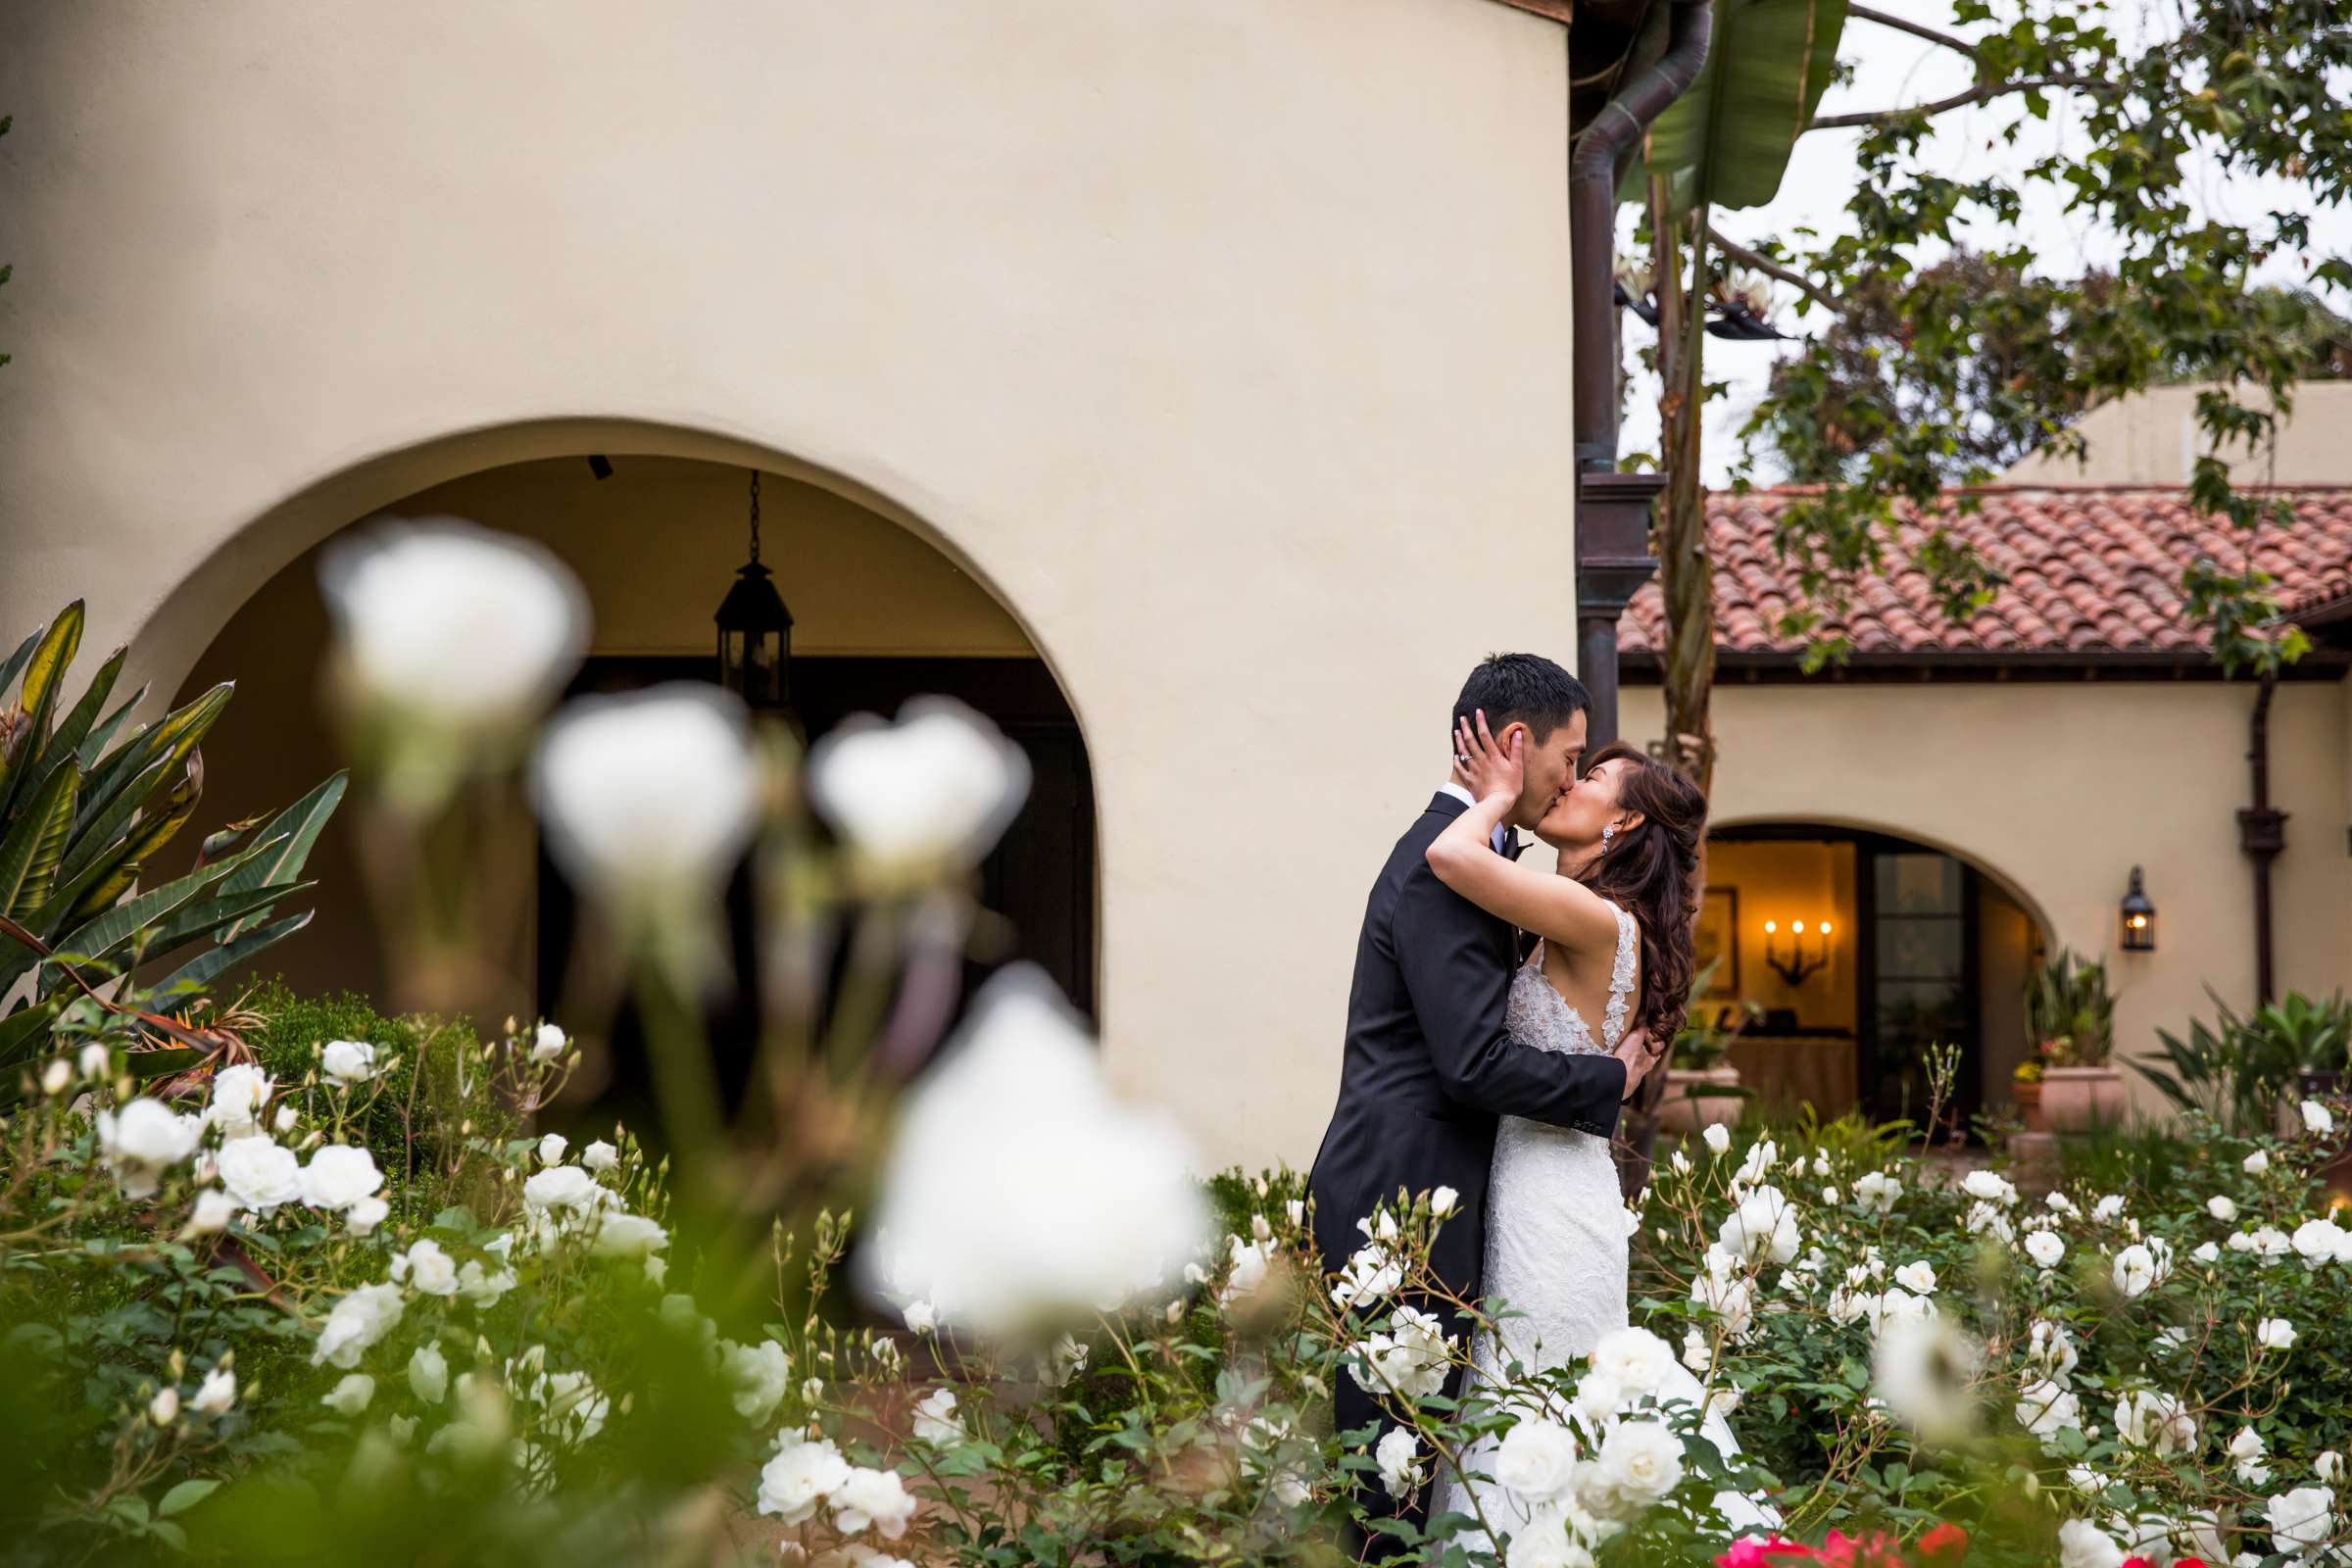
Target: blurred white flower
[[2046, 1249], [1411, 1359], [1923, 1367], [54, 1081], [2083, 1545], [351, 1395], [450, 624], [2046, 1408], [2321, 1241], [756, 1377], [1372, 1272], [2302, 1519], [2145, 1419], [2247, 1453], [339, 1176], [1536, 1460], [2059, 1202], [936, 789], [164, 1408], [1697, 1353], [802, 1475], [1762, 1228], [935, 1420], [599, 1156], [2274, 1334], [365, 1215], [260, 1174], [425, 1267], [240, 1093], [1443, 1202], [1018, 1187], [428, 1373], [1637, 1360], [1917, 1276], [1681, 1163], [214, 1210], [1639, 1462], [872, 1497], [628, 1235], [2207, 1253], [2317, 1118], [2257, 1163], [1757, 1163], [1066, 1360], [562, 1187], [1398, 1457], [348, 1061], [143, 1140], [650, 797], [1549, 1538], [2135, 1272], [1989, 1186], [1877, 1191], [551, 1149], [2329, 1466], [2220, 1207], [1984, 1216], [217, 1393], [2110, 1207], [1725, 1292], [2050, 1350], [548, 1043], [1717, 1138], [93, 1062], [285, 1119]]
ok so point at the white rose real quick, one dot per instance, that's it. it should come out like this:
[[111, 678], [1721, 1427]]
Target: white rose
[[145, 1140], [1717, 1137], [338, 1176], [164, 1408], [286, 1119], [2257, 1163], [428, 1373], [921, 1317], [2107, 1209], [2274, 1334], [2247, 1451], [260, 1174], [562, 1187], [1536, 1460], [451, 625], [630, 1235], [1762, 1227], [600, 1155], [2046, 1408], [351, 1395], [2158, 1421], [2134, 1271], [214, 1210], [365, 1215], [1411, 1359], [2329, 1466], [548, 1043], [2316, 1118], [1681, 1163], [481, 1287], [1398, 1457], [650, 797], [1637, 1360], [1091, 1204], [2045, 1248], [217, 1393], [2220, 1206], [1545, 1541], [2207, 1253], [551, 1149], [239, 1095], [94, 1062], [2082, 1545], [359, 1319], [348, 1061], [756, 1377], [1641, 1461], [2320, 1241], [54, 1079], [1917, 1276], [2301, 1519], [1441, 1201], [937, 788], [1989, 1185], [936, 1422], [1876, 1190], [876, 1497], [1923, 1367], [2060, 1203], [425, 1267]]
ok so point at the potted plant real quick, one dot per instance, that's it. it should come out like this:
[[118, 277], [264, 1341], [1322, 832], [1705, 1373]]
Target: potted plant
[[2025, 1090], [1702, 1087], [2071, 1015]]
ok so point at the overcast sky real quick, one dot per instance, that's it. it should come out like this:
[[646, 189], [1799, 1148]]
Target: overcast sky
[[1897, 67]]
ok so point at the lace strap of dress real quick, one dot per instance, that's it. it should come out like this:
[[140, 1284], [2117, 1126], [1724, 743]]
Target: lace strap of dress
[[1621, 981]]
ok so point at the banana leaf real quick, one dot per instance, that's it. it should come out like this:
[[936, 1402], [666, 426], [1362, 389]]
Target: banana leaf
[[35, 844], [93, 745], [1726, 142]]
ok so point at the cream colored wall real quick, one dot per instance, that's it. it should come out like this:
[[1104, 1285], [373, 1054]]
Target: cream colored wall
[[2058, 790], [2005, 956], [1787, 882], [1225, 342], [2152, 437]]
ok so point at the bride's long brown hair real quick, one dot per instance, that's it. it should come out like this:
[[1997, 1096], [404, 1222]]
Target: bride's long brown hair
[[1651, 870]]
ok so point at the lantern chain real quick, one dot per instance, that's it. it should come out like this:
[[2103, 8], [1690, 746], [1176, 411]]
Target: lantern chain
[[755, 516]]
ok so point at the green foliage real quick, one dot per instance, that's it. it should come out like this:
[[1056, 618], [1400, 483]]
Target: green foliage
[[82, 819], [2144, 1156], [1726, 142], [2236, 1069], [2069, 1014]]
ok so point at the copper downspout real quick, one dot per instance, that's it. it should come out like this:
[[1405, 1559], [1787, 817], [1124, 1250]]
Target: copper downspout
[[1613, 510], [2262, 834]]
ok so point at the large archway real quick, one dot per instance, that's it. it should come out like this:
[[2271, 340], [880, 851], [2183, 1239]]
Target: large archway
[[1846, 950], [883, 613]]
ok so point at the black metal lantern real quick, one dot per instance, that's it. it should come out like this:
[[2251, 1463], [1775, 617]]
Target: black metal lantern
[[754, 632], [2139, 917]]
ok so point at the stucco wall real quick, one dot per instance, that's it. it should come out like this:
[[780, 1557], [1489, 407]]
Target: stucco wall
[[2058, 791], [1225, 342], [2153, 437]]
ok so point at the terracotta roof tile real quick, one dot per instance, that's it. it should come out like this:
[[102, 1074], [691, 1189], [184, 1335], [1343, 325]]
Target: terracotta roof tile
[[2090, 570]]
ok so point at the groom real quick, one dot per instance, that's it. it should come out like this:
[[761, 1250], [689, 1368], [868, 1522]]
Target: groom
[[1428, 1066]]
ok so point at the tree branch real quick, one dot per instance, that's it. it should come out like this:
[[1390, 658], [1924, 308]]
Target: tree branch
[[1906, 24], [1756, 262], [1982, 92]]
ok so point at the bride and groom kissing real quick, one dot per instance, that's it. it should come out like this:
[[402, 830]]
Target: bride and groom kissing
[[1493, 1063]]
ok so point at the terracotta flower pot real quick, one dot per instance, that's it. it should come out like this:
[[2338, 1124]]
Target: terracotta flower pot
[[1681, 1111], [2075, 1099], [2025, 1094]]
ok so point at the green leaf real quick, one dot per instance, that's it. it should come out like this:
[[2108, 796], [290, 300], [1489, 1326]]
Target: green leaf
[[300, 824], [64, 747], [180, 1498], [98, 841], [42, 673], [213, 961], [26, 1026], [15, 662], [172, 740], [93, 745], [1726, 142], [209, 919], [30, 853], [110, 930]]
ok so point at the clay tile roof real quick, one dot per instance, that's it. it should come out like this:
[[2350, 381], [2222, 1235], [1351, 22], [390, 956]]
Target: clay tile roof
[[2092, 572]]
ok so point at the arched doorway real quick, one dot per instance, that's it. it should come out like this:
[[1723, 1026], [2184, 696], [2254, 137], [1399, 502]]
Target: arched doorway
[[883, 615], [1846, 952]]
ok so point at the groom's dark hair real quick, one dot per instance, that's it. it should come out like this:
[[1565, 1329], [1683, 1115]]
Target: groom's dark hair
[[1522, 689]]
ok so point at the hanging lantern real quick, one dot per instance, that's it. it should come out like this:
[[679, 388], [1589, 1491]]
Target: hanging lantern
[[754, 632], [2139, 917]]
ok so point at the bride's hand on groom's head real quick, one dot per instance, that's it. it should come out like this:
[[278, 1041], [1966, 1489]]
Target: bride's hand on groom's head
[[1486, 766]]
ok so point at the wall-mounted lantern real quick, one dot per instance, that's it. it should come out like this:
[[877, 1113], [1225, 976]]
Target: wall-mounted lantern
[[2139, 917], [755, 633], [1797, 966]]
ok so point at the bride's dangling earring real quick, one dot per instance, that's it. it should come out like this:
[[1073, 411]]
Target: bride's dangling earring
[[1608, 832]]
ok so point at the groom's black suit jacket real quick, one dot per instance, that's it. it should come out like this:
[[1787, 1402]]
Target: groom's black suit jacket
[[1429, 1069]]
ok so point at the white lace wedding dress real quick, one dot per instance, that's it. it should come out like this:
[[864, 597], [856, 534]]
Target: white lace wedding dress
[[1557, 1233]]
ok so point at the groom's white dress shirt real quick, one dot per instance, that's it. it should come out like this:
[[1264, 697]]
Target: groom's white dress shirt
[[1501, 831]]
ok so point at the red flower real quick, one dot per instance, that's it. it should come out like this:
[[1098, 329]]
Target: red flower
[[1946, 1543], [1750, 1552]]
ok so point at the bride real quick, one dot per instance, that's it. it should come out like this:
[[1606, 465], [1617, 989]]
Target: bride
[[1614, 923]]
